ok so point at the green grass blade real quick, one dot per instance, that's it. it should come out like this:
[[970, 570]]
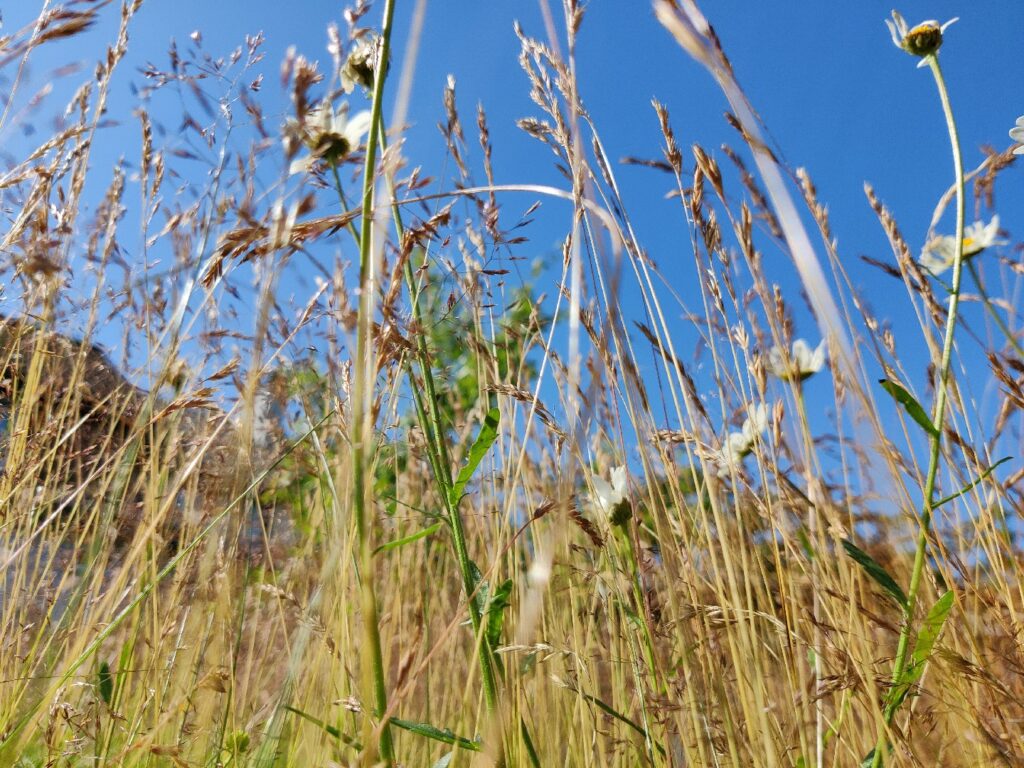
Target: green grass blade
[[970, 485], [876, 572], [910, 404], [407, 539], [443, 735]]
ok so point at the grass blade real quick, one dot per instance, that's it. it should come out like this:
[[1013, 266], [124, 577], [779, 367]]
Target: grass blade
[[443, 735], [910, 404], [408, 539], [967, 488], [876, 572]]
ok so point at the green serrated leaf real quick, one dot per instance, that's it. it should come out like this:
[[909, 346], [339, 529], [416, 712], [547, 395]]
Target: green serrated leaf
[[496, 606], [876, 572], [970, 485], [443, 735], [482, 444], [105, 683], [408, 539], [912, 407]]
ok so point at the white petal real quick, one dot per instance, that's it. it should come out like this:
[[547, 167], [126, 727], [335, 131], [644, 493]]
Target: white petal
[[357, 127], [801, 354], [777, 362], [321, 117], [602, 494], [339, 120], [301, 165], [756, 422], [619, 483], [817, 358]]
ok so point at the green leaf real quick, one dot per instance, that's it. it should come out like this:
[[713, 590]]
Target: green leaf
[[348, 740], [479, 589], [931, 629], [531, 751], [970, 485], [408, 539], [876, 572], [444, 735], [105, 684], [609, 710], [482, 444], [928, 636], [913, 408], [496, 606]]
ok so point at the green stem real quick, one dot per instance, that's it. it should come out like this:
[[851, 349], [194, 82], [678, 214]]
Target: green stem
[[992, 310], [430, 421], [938, 419], [361, 412]]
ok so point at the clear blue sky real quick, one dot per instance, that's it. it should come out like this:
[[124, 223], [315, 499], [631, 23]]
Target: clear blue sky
[[837, 97]]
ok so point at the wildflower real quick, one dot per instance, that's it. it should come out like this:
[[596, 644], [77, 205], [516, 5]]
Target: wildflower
[[800, 364], [738, 445], [610, 498], [361, 65], [328, 133], [1017, 134], [922, 40], [940, 252]]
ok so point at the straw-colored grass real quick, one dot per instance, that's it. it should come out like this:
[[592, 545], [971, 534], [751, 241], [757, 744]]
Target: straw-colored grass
[[444, 510]]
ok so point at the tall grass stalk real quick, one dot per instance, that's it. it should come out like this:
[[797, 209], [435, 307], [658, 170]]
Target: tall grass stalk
[[364, 375]]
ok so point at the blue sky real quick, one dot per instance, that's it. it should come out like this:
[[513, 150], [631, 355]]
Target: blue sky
[[835, 94]]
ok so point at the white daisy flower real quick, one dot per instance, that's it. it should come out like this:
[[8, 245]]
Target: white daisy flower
[[608, 496], [328, 133], [361, 64], [1017, 134], [738, 445], [800, 364], [922, 39], [938, 255]]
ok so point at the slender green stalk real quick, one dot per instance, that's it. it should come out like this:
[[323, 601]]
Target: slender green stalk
[[1000, 324], [938, 419], [374, 678], [430, 421]]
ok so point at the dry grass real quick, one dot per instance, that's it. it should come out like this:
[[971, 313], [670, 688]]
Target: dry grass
[[183, 583]]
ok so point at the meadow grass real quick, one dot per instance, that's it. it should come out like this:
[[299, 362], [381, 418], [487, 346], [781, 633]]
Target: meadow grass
[[478, 525]]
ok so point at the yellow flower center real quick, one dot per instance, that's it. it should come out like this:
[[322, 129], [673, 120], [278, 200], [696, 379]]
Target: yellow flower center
[[923, 39]]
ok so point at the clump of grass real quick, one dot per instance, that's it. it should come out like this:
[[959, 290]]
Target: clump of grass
[[444, 510]]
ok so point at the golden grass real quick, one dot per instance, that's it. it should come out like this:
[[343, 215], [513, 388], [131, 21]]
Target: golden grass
[[181, 583]]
